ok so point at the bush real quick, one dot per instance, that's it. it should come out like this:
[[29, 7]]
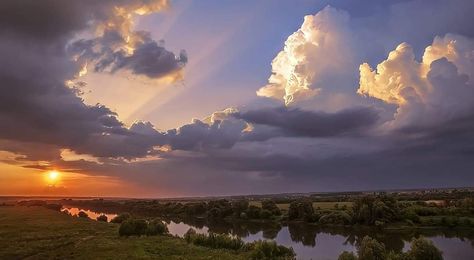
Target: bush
[[56, 207], [102, 218], [259, 249], [271, 206], [423, 249], [121, 218], [132, 227], [157, 227], [347, 256], [270, 250], [265, 214], [82, 214], [336, 217], [213, 240], [371, 249], [253, 212], [300, 209], [411, 215]]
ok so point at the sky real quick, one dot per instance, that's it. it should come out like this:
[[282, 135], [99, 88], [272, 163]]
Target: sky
[[156, 98]]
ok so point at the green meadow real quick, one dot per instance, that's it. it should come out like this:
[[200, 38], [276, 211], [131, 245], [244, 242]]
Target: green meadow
[[39, 233]]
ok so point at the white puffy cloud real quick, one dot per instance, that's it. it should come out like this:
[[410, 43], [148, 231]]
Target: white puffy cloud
[[310, 57], [435, 90]]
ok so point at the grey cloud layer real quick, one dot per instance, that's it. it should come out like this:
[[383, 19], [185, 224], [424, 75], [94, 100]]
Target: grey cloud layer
[[36, 106], [296, 122]]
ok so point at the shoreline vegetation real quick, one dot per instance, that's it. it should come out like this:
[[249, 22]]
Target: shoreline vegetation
[[394, 211], [146, 220]]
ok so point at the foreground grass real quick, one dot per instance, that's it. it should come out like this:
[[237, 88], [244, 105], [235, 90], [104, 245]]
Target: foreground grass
[[38, 233]]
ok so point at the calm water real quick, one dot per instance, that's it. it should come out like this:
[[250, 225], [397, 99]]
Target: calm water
[[311, 242], [90, 213]]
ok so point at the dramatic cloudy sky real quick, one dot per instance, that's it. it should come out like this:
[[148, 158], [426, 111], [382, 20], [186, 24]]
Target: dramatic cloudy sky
[[151, 98]]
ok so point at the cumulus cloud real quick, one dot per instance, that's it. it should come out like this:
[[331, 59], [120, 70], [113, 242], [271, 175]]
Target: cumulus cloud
[[433, 91], [117, 47], [310, 57], [219, 130]]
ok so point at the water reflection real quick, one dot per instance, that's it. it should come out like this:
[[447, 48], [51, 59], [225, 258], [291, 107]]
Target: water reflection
[[91, 214], [311, 242]]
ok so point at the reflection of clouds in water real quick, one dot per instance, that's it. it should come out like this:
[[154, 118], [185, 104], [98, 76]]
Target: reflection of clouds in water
[[179, 229], [454, 248], [320, 245], [91, 214], [326, 246]]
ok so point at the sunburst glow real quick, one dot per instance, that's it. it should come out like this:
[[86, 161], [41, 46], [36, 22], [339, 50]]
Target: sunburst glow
[[53, 176]]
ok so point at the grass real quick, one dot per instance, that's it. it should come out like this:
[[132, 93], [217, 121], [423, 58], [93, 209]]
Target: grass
[[38, 233]]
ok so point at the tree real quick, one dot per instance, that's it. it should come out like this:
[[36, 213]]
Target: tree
[[423, 249], [371, 249], [82, 214], [121, 218], [369, 209], [239, 206], [300, 209], [132, 227], [102, 218], [347, 256], [253, 212], [271, 206], [156, 227]]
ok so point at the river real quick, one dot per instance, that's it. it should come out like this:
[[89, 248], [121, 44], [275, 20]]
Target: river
[[310, 242]]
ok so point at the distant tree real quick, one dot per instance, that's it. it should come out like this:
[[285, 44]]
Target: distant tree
[[223, 206], [253, 212], [197, 208], [102, 218], [121, 217], [347, 256], [82, 214], [423, 249], [271, 206], [336, 217], [371, 249], [239, 206], [131, 227], [156, 227], [369, 209], [300, 209], [53, 206], [214, 213], [265, 214]]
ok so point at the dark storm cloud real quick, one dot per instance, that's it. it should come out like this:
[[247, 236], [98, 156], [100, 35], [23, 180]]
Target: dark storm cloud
[[149, 59], [36, 106], [200, 135], [297, 122]]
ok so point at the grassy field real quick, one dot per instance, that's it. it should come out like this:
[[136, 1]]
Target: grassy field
[[322, 205], [38, 233]]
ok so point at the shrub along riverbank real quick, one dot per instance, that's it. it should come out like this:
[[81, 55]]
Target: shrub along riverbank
[[379, 210]]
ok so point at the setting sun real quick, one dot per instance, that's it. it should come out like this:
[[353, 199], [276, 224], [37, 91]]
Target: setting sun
[[53, 176]]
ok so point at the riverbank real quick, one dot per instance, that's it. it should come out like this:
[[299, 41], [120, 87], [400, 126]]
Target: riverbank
[[36, 232]]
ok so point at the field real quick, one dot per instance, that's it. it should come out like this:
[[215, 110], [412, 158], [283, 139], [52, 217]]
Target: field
[[38, 233], [321, 205]]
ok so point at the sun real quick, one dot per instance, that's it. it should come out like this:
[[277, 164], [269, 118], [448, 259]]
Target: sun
[[53, 176]]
